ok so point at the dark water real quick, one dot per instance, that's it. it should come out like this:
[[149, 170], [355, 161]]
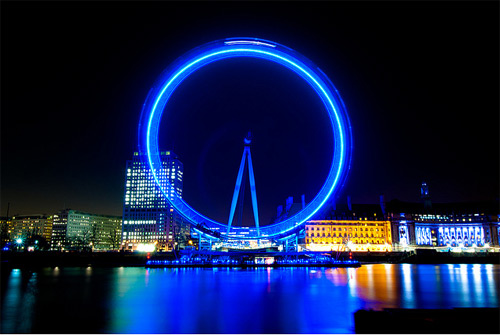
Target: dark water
[[288, 300]]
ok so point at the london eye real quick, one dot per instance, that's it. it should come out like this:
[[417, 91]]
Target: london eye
[[220, 50]]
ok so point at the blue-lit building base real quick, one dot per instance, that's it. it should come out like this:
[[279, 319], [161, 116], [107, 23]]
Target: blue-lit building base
[[212, 241], [250, 259]]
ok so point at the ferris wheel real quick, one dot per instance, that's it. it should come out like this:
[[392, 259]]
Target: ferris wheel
[[220, 50]]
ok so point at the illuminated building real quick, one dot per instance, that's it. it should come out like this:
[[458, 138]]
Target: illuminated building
[[360, 235], [148, 219], [75, 230], [5, 230], [107, 230], [24, 226], [234, 241], [461, 226], [355, 227], [447, 225]]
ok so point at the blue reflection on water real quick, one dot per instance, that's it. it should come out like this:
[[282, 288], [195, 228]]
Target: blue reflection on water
[[262, 300], [408, 291], [18, 303]]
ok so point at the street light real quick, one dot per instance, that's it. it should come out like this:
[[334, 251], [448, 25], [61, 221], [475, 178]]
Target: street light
[[19, 242]]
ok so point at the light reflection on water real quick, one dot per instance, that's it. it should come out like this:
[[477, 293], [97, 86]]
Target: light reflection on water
[[264, 300], [17, 304]]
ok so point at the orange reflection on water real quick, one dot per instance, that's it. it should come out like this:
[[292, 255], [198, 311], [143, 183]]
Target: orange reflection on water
[[376, 282]]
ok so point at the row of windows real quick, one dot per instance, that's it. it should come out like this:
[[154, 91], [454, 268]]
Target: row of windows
[[341, 229], [345, 222], [448, 220], [150, 239], [322, 241], [139, 221], [344, 235]]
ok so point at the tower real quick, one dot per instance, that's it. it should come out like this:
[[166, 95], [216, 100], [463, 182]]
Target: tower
[[425, 196], [148, 219]]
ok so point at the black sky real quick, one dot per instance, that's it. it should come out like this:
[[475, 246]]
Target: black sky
[[419, 79]]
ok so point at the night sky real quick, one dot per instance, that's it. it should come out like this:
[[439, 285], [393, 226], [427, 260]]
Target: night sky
[[420, 81]]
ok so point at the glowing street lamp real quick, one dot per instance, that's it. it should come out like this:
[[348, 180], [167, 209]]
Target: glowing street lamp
[[19, 243]]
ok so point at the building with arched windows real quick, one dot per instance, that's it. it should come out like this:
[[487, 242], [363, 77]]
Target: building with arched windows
[[444, 226], [398, 225], [355, 227]]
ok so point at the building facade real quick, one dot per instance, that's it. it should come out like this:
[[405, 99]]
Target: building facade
[[27, 226], [6, 229], [341, 235], [399, 225], [460, 226], [75, 230], [354, 227], [149, 222], [446, 225]]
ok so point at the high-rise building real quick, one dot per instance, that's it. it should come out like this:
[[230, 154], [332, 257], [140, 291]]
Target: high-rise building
[[75, 230], [148, 220]]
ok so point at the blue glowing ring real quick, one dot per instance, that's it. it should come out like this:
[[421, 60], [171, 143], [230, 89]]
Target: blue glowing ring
[[247, 47]]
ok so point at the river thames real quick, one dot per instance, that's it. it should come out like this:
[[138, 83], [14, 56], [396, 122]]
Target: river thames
[[261, 300]]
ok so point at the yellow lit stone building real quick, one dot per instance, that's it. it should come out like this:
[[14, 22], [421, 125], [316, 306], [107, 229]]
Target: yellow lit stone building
[[356, 235]]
